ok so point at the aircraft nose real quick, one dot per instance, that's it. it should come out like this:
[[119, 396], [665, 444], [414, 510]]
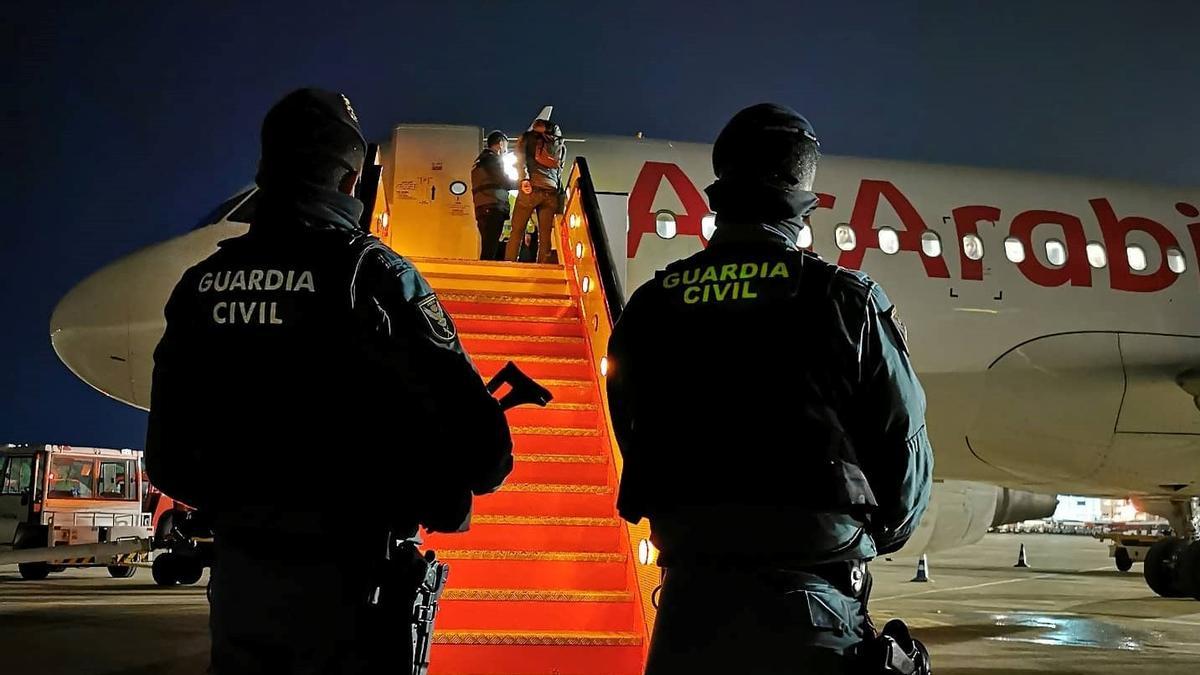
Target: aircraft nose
[[89, 332]]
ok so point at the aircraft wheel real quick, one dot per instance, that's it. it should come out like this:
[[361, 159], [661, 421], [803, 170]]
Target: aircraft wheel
[[34, 571], [1189, 570], [189, 571], [121, 571], [1124, 562], [1161, 565], [165, 569]]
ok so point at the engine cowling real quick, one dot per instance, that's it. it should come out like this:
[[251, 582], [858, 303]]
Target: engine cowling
[[960, 513]]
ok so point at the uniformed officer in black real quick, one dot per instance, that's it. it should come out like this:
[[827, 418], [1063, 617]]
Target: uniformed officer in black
[[772, 427], [310, 395]]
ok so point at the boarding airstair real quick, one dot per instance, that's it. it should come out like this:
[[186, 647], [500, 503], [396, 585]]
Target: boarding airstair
[[548, 578]]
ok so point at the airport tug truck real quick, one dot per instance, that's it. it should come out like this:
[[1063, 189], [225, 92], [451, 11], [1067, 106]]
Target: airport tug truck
[[62, 506]]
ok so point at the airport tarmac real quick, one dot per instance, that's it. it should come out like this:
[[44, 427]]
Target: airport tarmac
[[1070, 612]]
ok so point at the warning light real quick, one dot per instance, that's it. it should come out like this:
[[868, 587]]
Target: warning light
[[579, 250], [647, 554], [587, 284], [574, 220], [603, 366]]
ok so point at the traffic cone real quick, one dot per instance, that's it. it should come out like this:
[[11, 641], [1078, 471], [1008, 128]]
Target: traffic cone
[[922, 569], [1022, 561]]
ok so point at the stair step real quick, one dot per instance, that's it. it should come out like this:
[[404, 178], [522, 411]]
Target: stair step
[[458, 281], [490, 268], [558, 440], [534, 609], [535, 595], [555, 556], [542, 345], [517, 325], [556, 415], [535, 366], [548, 499], [564, 389], [514, 306], [530, 533], [547, 468], [538, 638], [479, 652]]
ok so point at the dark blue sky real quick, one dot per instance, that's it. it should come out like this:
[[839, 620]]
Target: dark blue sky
[[124, 122]]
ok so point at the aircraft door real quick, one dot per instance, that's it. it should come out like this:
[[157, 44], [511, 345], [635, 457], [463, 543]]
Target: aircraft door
[[432, 212]]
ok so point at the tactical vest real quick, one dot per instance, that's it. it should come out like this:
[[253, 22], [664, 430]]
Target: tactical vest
[[747, 360]]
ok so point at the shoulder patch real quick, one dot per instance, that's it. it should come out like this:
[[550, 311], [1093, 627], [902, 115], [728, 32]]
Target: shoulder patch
[[440, 325]]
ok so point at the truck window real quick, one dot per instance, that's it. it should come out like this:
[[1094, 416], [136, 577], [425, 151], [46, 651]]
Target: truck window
[[18, 476], [116, 479], [72, 477]]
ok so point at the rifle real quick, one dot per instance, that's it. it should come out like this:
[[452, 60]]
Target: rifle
[[421, 578]]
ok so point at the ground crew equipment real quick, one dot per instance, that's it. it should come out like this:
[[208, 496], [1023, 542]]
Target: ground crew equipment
[[63, 506], [922, 569]]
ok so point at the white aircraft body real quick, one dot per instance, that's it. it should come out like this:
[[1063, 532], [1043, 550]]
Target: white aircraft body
[[1054, 321]]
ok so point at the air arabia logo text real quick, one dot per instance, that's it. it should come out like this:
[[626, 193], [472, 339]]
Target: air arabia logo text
[[1076, 271]]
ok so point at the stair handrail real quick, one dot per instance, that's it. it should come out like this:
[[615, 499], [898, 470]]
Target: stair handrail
[[591, 267]]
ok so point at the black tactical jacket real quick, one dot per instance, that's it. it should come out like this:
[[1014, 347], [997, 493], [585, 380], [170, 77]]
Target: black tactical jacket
[[489, 183], [765, 406], [310, 380]]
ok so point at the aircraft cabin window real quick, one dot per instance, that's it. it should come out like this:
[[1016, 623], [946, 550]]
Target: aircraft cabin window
[[1136, 256], [708, 225], [972, 246], [844, 236], [805, 238], [1014, 250], [1056, 253], [889, 241], [931, 244], [1097, 257], [1175, 261], [664, 224]]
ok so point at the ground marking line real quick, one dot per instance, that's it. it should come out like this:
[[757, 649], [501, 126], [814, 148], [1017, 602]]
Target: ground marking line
[[983, 585]]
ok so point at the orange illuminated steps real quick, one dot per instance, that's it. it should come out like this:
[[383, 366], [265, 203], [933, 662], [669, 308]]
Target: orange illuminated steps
[[557, 440], [550, 499], [463, 652], [537, 569], [514, 305], [517, 325], [549, 468], [535, 609], [541, 583], [433, 267], [468, 281], [543, 345], [533, 533], [557, 415], [536, 366], [565, 390]]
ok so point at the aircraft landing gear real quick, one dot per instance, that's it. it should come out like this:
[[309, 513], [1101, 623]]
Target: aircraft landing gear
[[1172, 566]]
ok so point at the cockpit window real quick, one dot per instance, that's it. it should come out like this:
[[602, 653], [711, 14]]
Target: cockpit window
[[223, 208]]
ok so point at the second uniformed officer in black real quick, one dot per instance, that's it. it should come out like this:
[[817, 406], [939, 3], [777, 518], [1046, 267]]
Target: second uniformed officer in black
[[772, 427], [310, 395]]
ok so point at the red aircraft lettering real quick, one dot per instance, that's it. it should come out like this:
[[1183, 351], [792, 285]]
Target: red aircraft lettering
[[1076, 271], [862, 220], [641, 203], [1116, 233]]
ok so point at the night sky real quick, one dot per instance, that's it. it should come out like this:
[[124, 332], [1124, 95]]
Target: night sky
[[126, 121]]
